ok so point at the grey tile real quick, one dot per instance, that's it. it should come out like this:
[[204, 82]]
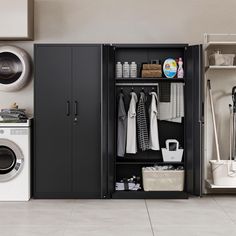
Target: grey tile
[[124, 217], [109, 204], [228, 205], [112, 230], [39, 205], [192, 212], [31, 231], [206, 202], [221, 230], [34, 218]]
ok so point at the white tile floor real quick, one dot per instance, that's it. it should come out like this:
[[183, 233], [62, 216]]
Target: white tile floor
[[201, 217]]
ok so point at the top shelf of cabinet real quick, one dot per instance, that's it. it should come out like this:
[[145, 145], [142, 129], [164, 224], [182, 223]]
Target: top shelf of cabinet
[[142, 80]]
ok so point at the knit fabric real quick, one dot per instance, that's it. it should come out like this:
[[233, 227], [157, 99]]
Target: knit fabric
[[142, 127]]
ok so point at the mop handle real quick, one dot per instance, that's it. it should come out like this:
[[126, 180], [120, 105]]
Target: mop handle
[[214, 120], [230, 131]]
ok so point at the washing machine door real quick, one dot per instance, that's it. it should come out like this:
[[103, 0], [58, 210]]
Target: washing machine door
[[11, 160], [14, 68]]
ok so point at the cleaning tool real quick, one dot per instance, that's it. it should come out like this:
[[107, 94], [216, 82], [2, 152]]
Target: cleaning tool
[[223, 171]]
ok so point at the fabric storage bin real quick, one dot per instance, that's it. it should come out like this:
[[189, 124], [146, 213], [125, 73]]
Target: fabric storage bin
[[218, 59], [163, 180]]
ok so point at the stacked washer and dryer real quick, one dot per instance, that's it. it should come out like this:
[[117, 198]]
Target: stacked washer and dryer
[[14, 136]]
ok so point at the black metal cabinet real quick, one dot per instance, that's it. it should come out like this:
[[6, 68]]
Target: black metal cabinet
[[75, 120], [68, 121]]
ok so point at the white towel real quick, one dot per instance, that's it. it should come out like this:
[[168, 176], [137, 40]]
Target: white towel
[[153, 112]]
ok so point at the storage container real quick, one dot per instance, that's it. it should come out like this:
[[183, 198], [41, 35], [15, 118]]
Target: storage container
[[151, 73], [163, 180], [218, 59], [224, 172], [172, 152]]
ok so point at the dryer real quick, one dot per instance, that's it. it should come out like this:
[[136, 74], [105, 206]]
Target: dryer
[[15, 68], [15, 161]]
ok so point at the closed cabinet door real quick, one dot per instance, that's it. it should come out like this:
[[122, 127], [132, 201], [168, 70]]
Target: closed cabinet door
[[86, 121], [53, 120]]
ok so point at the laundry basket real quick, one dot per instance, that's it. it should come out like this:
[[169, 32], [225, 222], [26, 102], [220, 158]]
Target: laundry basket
[[162, 180]]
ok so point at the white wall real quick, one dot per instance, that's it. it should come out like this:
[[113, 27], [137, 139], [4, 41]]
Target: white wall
[[133, 21], [144, 21]]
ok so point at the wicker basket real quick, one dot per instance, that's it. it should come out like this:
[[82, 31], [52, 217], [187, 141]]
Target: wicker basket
[[164, 180]]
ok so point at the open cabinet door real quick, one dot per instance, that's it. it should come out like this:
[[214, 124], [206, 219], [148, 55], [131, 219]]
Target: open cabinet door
[[108, 126], [194, 119]]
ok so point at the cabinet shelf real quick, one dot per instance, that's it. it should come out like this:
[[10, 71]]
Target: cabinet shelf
[[139, 79], [149, 195], [148, 163]]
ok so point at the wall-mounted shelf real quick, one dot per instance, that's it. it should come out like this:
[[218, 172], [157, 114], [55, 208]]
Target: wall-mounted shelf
[[210, 45], [220, 67], [210, 185]]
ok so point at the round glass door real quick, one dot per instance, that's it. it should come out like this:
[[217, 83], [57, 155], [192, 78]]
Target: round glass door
[[7, 160], [11, 68]]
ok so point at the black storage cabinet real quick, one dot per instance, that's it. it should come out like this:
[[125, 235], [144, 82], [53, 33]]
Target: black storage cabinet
[[68, 121], [75, 120]]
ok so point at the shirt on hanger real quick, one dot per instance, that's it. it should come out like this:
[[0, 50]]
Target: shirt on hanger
[[142, 127], [121, 127], [154, 135], [131, 145]]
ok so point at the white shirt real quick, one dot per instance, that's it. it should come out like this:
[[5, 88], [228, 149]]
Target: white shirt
[[154, 136], [131, 146]]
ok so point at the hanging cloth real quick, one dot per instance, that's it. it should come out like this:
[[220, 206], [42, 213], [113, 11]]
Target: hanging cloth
[[154, 136], [131, 145], [121, 127], [143, 140]]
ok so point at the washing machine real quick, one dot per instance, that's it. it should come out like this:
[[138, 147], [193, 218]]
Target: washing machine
[[15, 161]]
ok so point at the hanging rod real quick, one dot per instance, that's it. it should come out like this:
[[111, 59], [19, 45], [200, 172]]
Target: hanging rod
[[137, 84]]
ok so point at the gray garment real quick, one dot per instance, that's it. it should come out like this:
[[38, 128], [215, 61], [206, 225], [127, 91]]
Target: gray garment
[[143, 139], [121, 127]]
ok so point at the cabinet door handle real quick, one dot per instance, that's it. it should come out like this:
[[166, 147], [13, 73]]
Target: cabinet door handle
[[67, 108], [76, 108]]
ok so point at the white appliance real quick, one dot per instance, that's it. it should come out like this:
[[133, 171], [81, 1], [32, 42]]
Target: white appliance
[[15, 161], [16, 19]]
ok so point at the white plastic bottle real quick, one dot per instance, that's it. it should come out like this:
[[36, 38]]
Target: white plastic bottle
[[133, 70], [180, 73], [118, 70], [126, 70]]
